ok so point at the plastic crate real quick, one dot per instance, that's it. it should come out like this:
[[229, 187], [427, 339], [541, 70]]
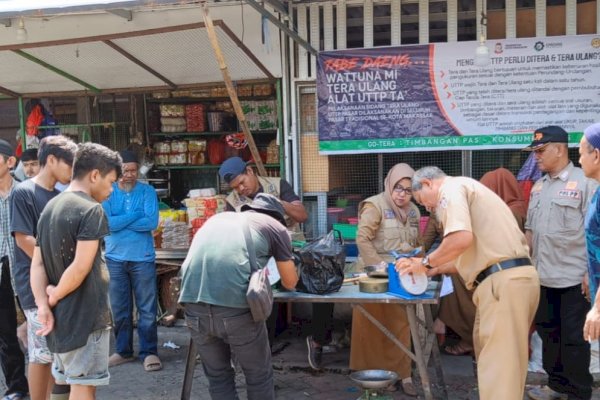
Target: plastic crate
[[348, 231]]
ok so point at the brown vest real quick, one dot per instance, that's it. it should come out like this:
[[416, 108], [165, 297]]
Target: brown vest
[[270, 186], [392, 233]]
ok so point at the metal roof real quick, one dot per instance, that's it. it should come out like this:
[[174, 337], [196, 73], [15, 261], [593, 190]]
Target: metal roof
[[169, 57]]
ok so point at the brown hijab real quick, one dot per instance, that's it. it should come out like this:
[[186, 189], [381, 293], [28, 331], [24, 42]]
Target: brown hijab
[[502, 182], [396, 174]]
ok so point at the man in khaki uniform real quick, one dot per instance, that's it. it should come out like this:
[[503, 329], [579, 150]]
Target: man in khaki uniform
[[483, 243], [554, 229]]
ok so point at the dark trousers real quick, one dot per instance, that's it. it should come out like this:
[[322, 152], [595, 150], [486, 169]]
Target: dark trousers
[[220, 332], [566, 355], [322, 318], [11, 357]]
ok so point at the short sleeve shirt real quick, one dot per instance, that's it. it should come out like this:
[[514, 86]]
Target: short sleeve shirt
[[67, 219], [217, 268], [555, 216], [466, 205], [26, 203]]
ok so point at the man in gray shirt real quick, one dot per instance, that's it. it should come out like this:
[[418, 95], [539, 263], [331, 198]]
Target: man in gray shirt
[[555, 234]]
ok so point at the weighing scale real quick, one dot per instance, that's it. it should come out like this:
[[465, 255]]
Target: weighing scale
[[374, 382]]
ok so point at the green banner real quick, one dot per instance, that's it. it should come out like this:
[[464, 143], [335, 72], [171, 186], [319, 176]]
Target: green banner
[[475, 142]]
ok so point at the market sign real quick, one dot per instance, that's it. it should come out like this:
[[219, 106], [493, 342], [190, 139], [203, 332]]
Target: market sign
[[434, 97]]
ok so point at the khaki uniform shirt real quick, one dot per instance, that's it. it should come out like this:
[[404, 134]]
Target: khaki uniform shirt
[[379, 231], [466, 205], [557, 208]]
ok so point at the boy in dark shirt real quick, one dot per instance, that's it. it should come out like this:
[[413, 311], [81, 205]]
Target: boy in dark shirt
[[69, 278]]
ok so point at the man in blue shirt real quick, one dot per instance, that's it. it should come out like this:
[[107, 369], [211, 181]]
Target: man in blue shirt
[[132, 212], [589, 158]]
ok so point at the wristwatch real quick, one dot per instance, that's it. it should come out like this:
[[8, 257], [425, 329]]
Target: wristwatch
[[425, 262]]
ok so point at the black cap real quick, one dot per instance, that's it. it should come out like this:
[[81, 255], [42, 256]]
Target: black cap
[[6, 148], [547, 134], [128, 156], [29, 155], [267, 204]]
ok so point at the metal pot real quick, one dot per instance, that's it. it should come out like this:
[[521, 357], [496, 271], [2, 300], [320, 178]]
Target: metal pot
[[377, 271], [374, 378]]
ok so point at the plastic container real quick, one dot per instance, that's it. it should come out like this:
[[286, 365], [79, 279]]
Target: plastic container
[[347, 231], [353, 220], [351, 249], [333, 216]]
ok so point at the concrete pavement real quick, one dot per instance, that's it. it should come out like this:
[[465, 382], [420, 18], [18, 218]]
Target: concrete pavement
[[294, 380]]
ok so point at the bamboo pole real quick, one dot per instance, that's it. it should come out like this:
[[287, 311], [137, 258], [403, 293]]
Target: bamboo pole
[[212, 36]]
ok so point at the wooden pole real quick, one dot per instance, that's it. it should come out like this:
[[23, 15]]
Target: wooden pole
[[212, 36]]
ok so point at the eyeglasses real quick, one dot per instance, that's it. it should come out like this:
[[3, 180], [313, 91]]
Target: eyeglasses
[[400, 190]]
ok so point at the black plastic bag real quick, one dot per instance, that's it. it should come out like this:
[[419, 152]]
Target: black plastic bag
[[321, 265]]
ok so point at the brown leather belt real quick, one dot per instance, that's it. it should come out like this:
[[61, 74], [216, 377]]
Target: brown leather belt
[[502, 265]]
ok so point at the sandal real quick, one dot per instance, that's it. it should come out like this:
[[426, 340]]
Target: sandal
[[152, 363], [459, 349], [408, 387], [117, 359]]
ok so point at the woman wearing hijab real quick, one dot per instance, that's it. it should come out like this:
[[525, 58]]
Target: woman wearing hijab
[[387, 221], [502, 182], [457, 309]]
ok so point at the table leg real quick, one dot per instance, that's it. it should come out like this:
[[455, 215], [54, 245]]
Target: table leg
[[386, 332], [420, 357], [435, 351], [188, 375]]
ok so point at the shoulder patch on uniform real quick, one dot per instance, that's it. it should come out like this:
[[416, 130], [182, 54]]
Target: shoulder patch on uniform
[[388, 214], [412, 213], [443, 203], [570, 194], [537, 187], [571, 185]]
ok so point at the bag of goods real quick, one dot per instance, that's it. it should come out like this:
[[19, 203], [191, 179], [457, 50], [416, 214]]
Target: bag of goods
[[196, 145], [216, 151], [196, 158], [179, 146], [273, 152], [175, 235], [195, 116], [161, 152], [161, 159], [218, 91], [172, 124], [244, 90], [178, 158], [216, 121], [172, 110], [263, 89]]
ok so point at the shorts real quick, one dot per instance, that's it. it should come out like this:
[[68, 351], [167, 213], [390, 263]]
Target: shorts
[[87, 365], [37, 348]]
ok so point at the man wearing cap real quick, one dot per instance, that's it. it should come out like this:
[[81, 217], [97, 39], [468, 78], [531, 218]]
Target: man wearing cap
[[484, 244], [132, 211], [589, 158], [557, 208], [12, 359], [246, 184], [215, 277]]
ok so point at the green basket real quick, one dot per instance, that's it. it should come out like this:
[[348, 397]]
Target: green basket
[[348, 231]]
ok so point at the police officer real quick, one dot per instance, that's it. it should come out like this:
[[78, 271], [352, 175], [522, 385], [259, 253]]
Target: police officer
[[483, 243], [554, 229]]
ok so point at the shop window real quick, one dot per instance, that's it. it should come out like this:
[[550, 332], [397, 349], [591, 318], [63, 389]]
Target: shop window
[[354, 27], [382, 28]]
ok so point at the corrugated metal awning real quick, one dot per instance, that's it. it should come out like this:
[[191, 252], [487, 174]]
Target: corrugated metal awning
[[170, 57]]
